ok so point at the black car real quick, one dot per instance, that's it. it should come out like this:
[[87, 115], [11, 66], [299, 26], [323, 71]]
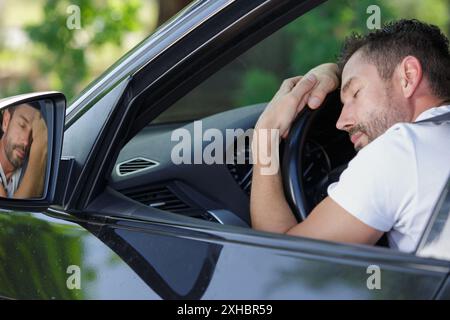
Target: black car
[[120, 220]]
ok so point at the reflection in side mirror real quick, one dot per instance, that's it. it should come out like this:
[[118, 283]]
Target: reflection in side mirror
[[23, 149], [30, 145]]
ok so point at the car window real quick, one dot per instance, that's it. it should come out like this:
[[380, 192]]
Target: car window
[[256, 75]]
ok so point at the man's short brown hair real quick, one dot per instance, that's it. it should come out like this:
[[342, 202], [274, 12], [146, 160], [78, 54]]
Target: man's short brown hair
[[387, 47]]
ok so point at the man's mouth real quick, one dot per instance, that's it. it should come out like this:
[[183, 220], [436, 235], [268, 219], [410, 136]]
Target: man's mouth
[[20, 153], [355, 137]]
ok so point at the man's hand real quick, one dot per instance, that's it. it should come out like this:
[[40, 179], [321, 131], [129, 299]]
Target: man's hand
[[32, 184], [39, 132], [268, 207], [295, 93]]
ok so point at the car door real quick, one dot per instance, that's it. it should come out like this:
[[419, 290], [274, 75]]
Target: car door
[[197, 259], [161, 257], [52, 256], [436, 238], [184, 259], [169, 256]]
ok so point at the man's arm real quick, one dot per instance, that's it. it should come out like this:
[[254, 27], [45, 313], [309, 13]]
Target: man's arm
[[32, 184], [329, 221], [269, 209], [268, 206]]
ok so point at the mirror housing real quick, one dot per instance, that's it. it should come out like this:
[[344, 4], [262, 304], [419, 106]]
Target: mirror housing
[[52, 107]]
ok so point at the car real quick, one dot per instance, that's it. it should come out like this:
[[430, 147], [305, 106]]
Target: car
[[119, 219]]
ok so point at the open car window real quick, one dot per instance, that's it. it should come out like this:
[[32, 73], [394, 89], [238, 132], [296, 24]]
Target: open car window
[[256, 75], [250, 81]]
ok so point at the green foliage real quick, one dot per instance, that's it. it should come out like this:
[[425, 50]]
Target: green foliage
[[317, 37], [64, 57], [63, 52], [431, 11], [312, 39], [306, 42], [257, 86]]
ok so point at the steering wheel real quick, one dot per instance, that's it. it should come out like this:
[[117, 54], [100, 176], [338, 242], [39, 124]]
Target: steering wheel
[[293, 169]]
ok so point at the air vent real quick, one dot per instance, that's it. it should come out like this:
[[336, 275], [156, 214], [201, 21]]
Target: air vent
[[159, 197], [242, 170], [135, 165]]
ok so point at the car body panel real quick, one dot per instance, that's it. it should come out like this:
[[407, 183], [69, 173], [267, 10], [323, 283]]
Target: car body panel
[[38, 249], [444, 293], [120, 258], [129, 251]]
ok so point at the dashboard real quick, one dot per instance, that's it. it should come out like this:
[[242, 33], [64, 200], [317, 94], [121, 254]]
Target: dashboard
[[145, 171]]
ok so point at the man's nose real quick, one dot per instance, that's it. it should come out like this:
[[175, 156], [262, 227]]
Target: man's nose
[[26, 139], [345, 120]]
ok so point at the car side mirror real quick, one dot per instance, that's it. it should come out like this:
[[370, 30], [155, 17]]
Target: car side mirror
[[31, 137]]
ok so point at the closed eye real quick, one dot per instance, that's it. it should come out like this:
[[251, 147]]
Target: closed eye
[[356, 93]]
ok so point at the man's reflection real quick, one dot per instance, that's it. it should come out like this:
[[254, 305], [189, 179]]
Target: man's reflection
[[23, 152]]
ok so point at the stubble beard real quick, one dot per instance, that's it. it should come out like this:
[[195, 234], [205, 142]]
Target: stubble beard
[[389, 113], [9, 151]]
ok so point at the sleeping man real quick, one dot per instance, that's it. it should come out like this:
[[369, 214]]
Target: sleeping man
[[23, 142], [392, 81]]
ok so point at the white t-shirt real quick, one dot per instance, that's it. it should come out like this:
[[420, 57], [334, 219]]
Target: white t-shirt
[[11, 186], [393, 183]]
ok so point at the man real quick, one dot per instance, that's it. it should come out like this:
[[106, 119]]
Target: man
[[391, 78], [24, 140]]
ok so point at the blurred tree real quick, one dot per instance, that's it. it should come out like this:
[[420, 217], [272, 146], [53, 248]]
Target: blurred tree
[[256, 75], [336, 22], [62, 50], [312, 39], [432, 11], [2, 4]]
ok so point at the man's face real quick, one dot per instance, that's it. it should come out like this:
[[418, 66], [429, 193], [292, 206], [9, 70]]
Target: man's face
[[371, 104], [17, 134]]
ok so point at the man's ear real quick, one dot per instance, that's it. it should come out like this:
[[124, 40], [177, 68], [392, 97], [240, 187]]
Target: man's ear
[[410, 75], [5, 121]]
